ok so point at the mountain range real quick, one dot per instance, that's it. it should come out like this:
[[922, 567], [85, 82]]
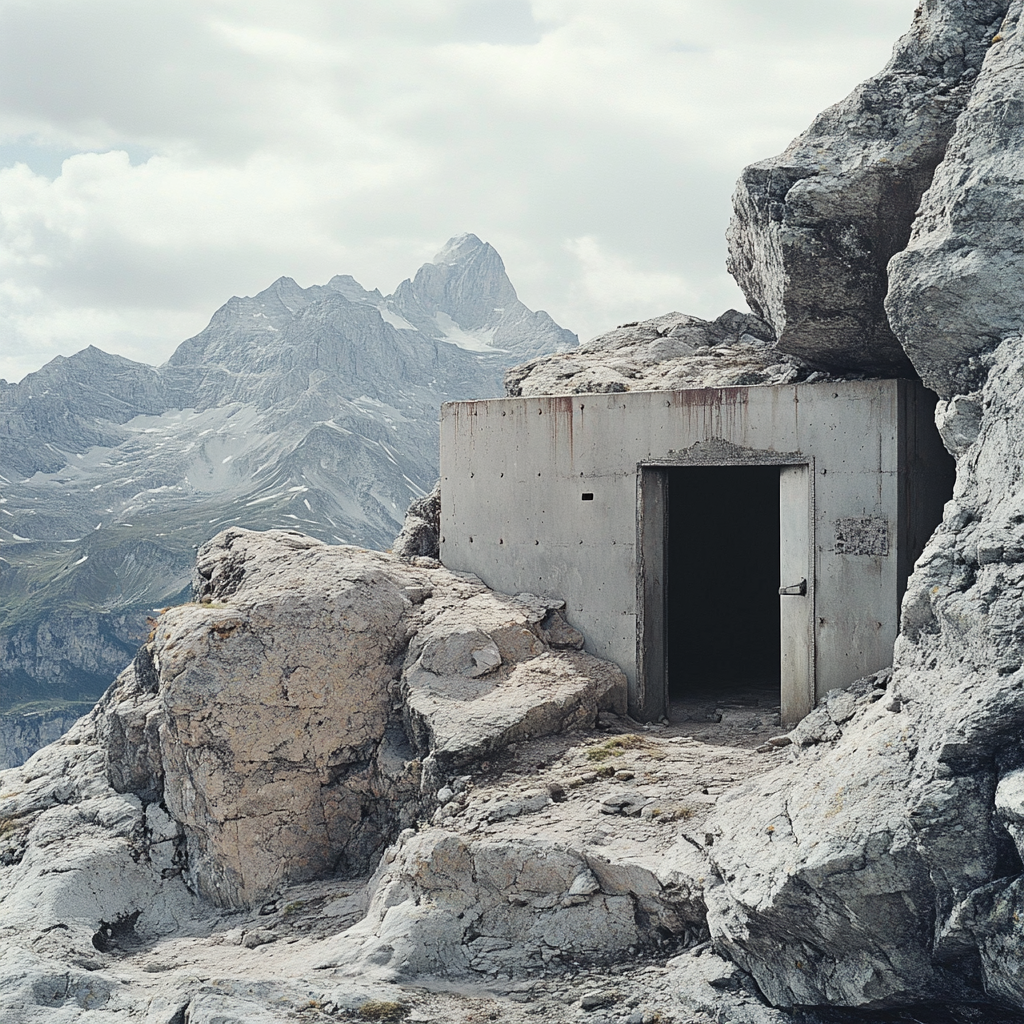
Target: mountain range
[[312, 409]]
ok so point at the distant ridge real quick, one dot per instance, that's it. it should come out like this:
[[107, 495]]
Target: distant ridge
[[312, 409]]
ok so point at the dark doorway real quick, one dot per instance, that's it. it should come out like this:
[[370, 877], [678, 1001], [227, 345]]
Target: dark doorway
[[722, 583]]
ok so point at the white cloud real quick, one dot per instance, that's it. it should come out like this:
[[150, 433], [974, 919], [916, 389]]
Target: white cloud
[[609, 288], [185, 151]]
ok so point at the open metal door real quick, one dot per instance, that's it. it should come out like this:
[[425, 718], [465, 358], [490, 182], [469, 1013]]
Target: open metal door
[[796, 593]]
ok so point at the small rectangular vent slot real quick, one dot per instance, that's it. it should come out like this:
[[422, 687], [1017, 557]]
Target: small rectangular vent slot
[[587, 496]]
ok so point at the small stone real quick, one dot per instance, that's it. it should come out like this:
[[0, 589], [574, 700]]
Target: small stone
[[444, 794], [584, 884], [623, 775], [780, 741], [596, 999], [589, 776], [258, 937]]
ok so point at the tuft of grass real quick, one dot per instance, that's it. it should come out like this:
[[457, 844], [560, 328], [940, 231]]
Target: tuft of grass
[[382, 1009], [616, 747], [293, 908]]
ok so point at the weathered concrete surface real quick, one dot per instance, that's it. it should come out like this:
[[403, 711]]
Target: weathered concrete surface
[[815, 227], [955, 289], [514, 472]]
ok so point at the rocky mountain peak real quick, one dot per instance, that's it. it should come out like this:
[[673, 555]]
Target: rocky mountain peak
[[299, 408], [460, 248], [348, 286], [466, 281], [464, 297]]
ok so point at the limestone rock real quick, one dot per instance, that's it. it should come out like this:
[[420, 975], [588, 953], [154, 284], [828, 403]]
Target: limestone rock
[[421, 531], [955, 289], [704, 982], [305, 709], [666, 353], [81, 866], [480, 676], [814, 228]]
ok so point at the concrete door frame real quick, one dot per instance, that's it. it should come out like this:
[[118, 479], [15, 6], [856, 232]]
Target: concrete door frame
[[648, 700]]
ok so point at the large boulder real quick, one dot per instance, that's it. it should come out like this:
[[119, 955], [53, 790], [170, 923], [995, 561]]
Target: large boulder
[[955, 291], [313, 699], [882, 865], [421, 531], [815, 227]]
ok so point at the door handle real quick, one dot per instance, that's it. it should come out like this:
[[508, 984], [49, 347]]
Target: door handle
[[797, 590]]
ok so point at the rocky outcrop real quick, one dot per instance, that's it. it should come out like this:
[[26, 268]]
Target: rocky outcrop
[[538, 866], [884, 864], [667, 353], [601, 850], [815, 227], [310, 703], [421, 532], [955, 290]]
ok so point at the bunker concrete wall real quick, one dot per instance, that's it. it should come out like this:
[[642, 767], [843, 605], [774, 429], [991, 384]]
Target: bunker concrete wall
[[514, 472]]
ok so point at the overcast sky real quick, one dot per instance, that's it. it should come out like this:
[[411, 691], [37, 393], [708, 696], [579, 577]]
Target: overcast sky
[[160, 156]]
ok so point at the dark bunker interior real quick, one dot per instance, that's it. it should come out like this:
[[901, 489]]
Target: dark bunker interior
[[722, 583]]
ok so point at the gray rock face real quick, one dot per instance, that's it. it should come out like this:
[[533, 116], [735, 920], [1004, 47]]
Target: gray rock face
[[421, 532], [815, 227], [666, 353], [955, 289], [883, 864], [306, 709], [295, 408]]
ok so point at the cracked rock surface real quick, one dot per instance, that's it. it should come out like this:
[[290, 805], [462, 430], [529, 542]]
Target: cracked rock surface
[[814, 228], [297, 716], [560, 876], [667, 353]]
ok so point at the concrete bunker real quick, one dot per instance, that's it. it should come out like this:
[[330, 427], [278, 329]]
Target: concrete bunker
[[712, 539]]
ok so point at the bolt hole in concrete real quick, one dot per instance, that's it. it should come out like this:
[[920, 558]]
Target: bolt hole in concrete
[[722, 589]]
